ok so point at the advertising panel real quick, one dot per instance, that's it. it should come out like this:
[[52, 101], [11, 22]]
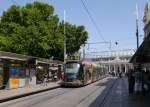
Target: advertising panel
[[21, 82], [32, 79], [14, 71], [14, 83]]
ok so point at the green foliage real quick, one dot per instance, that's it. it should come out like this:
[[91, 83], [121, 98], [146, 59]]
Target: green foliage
[[75, 37], [35, 30]]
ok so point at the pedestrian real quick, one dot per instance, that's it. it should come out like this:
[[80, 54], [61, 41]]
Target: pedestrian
[[45, 79], [146, 82], [55, 77], [120, 74], [131, 81], [62, 76], [138, 74]]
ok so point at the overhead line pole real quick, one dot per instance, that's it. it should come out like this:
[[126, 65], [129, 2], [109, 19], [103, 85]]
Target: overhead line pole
[[64, 37], [83, 51], [137, 27]]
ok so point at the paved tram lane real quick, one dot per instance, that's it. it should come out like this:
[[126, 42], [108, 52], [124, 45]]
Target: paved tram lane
[[67, 97]]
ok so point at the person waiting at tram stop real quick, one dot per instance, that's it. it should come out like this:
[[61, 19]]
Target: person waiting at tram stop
[[146, 82], [139, 80], [131, 81], [45, 78]]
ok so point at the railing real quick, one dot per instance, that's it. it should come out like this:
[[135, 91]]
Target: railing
[[109, 54]]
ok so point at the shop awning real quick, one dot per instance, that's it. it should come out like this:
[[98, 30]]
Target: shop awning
[[142, 55]]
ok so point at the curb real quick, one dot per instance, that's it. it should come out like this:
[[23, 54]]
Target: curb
[[26, 94]]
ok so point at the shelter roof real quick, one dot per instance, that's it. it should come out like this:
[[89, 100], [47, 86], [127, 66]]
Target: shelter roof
[[142, 54]]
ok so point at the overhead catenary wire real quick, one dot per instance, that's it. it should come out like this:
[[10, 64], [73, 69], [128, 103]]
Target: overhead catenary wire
[[92, 19]]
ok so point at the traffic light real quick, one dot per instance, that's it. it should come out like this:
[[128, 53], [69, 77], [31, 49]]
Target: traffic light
[[116, 43]]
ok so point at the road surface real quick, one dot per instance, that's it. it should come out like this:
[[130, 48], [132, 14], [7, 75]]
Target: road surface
[[93, 95]]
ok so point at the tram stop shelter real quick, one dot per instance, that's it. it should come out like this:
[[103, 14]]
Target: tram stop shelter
[[16, 70], [142, 55], [45, 66]]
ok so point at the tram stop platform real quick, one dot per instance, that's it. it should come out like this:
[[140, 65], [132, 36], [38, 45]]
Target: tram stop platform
[[10, 94], [119, 96]]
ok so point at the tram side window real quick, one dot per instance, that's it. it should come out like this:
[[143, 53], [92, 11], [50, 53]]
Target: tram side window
[[88, 74]]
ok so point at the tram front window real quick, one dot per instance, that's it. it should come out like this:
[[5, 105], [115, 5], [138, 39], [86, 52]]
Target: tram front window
[[71, 70]]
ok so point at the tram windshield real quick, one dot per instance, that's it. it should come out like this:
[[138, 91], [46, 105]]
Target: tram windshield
[[72, 68]]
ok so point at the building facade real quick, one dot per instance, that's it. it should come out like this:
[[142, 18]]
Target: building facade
[[114, 61], [146, 20]]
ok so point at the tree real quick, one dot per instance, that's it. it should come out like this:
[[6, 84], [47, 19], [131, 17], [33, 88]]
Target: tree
[[29, 28], [34, 29], [75, 37]]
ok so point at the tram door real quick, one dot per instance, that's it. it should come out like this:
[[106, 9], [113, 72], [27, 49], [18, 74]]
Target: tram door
[[88, 75]]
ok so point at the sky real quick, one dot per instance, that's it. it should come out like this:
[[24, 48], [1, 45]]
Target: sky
[[115, 20]]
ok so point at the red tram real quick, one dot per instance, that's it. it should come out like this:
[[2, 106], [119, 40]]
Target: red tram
[[80, 73]]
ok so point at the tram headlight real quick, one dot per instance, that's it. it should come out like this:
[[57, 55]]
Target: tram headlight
[[76, 81]]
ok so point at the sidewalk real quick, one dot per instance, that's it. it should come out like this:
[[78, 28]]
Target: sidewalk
[[9, 94], [119, 96]]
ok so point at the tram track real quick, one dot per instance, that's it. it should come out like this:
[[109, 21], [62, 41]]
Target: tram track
[[77, 89], [68, 97], [106, 97], [108, 90], [47, 96]]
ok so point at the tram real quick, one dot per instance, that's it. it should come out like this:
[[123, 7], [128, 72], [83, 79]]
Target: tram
[[81, 73]]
